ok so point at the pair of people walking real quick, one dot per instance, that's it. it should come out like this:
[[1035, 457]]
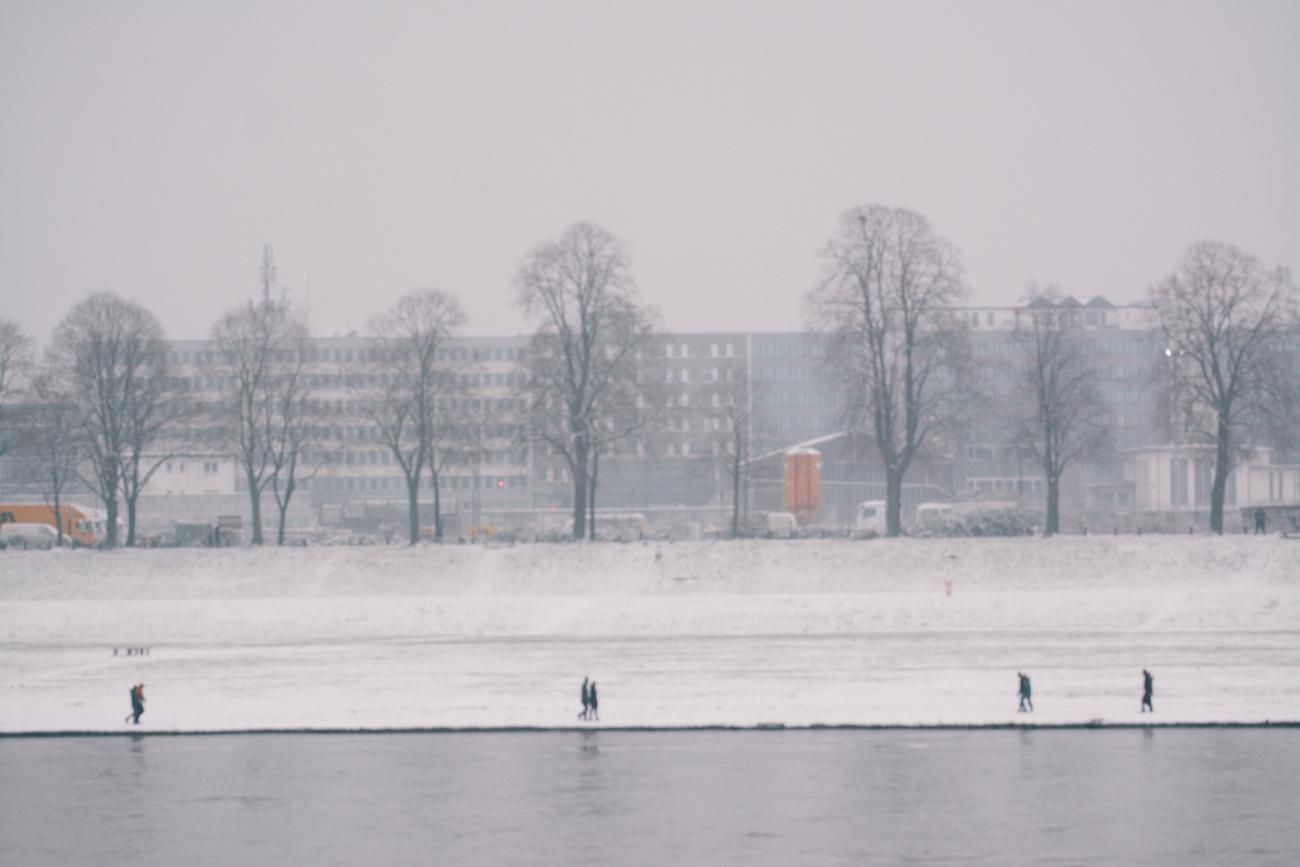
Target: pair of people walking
[[590, 701], [137, 703]]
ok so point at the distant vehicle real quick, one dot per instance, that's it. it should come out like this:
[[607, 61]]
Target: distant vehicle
[[617, 527], [81, 527], [871, 516], [24, 536], [927, 513], [781, 525]]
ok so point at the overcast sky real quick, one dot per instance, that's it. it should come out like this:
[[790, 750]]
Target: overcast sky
[[152, 148]]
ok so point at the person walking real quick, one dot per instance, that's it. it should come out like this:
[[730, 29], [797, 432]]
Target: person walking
[[586, 700], [1026, 693], [1147, 689], [137, 703], [595, 704]]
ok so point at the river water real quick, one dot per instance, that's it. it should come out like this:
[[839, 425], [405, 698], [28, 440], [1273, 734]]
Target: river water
[[1069, 797]]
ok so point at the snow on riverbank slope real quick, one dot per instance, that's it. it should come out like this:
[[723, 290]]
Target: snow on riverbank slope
[[795, 632]]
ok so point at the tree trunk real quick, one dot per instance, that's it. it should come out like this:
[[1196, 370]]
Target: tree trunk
[[130, 521], [58, 520], [579, 489], [413, 505], [255, 507], [591, 497], [893, 501], [110, 507], [1222, 467], [735, 495], [283, 506], [437, 507], [1053, 525]]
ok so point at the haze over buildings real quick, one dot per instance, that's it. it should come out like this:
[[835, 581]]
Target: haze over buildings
[[151, 149]]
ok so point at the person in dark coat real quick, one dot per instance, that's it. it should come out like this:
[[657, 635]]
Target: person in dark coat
[[1260, 521], [595, 703], [586, 700], [1026, 693], [137, 703], [1147, 689]]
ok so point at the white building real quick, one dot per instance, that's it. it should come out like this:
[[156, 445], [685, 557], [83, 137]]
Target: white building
[[1178, 479]]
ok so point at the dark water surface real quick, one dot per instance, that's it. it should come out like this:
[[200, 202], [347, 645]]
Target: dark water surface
[[1175, 797]]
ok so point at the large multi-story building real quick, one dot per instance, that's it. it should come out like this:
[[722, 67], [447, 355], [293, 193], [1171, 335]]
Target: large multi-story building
[[495, 475]]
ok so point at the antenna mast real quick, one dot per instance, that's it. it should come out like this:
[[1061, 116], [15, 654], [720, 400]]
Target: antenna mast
[[268, 274]]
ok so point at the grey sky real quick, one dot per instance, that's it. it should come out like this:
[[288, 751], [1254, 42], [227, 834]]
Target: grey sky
[[151, 148]]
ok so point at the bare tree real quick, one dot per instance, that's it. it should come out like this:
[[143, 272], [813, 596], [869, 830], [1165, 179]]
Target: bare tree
[[112, 355], [1224, 316], [729, 412], [157, 413], [54, 440], [291, 435], [583, 357], [404, 390], [260, 351], [886, 284], [1060, 416], [15, 359]]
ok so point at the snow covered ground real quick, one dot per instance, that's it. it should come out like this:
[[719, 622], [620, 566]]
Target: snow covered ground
[[710, 633]]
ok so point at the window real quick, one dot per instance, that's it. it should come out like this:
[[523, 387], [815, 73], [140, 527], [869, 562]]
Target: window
[[686, 351], [1178, 482], [668, 350], [1202, 482], [731, 350], [713, 350]]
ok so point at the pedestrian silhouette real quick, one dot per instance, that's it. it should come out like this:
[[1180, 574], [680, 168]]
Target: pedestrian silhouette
[[1147, 689], [1260, 521], [137, 703], [595, 704], [1026, 693], [586, 700]]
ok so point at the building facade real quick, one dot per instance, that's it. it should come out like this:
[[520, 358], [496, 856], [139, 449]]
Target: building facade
[[496, 475]]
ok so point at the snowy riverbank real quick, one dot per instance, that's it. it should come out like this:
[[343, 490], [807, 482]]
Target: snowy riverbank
[[797, 632]]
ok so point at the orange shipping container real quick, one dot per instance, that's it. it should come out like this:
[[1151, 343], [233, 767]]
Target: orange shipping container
[[803, 483]]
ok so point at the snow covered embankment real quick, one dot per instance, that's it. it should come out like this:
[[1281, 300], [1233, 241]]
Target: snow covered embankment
[[676, 634]]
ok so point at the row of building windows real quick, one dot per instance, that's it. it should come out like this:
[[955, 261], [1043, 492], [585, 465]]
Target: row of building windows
[[798, 398], [391, 484], [716, 350], [345, 356]]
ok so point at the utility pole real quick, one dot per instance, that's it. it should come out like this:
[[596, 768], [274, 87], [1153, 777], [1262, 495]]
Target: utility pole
[[268, 274]]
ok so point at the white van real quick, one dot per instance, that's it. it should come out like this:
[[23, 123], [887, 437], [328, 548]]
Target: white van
[[871, 517], [23, 536], [781, 525]]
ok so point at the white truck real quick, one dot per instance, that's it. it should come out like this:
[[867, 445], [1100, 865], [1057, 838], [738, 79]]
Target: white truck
[[870, 517]]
